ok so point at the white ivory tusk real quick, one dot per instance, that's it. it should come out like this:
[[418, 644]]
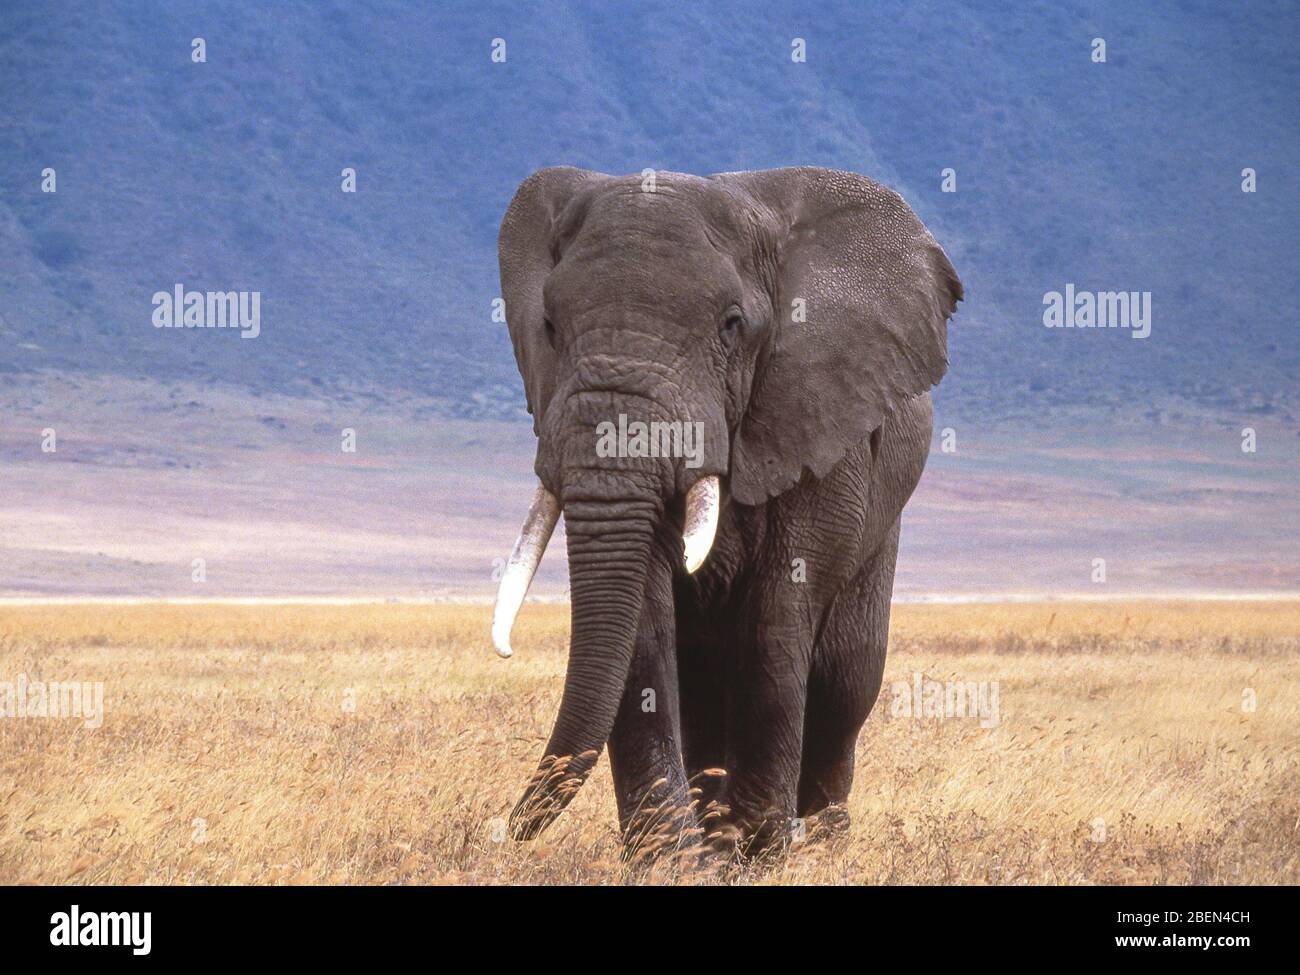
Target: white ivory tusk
[[539, 523], [702, 506]]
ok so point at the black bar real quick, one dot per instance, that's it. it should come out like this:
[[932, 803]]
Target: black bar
[[215, 924]]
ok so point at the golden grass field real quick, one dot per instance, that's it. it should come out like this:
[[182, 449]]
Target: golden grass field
[[379, 744]]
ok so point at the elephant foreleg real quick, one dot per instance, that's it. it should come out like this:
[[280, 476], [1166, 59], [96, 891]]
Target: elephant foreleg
[[645, 747], [765, 730]]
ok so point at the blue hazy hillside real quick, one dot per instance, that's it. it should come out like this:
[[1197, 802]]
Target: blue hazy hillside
[[226, 175]]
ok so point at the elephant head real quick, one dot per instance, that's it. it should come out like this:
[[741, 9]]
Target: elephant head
[[780, 315]]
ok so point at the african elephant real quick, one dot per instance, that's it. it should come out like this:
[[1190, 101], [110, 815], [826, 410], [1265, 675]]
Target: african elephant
[[794, 320]]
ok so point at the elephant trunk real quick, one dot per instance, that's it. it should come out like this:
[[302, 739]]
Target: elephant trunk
[[609, 528]]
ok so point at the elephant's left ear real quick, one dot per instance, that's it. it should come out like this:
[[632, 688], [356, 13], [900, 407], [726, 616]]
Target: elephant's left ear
[[862, 300]]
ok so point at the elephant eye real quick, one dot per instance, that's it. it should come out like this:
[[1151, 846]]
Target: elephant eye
[[732, 324]]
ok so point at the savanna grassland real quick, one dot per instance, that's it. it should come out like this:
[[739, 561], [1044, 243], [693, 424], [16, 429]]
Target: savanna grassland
[[375, 744]]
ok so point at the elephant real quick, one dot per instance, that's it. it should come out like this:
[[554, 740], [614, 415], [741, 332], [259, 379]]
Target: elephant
[[729, 607]]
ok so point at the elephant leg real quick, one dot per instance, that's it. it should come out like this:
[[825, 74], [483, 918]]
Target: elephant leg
[[847, 669], [645, 746], [765, 729], [703, 706]]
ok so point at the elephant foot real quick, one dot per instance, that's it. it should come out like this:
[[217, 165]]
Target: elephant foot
[[770, 838], [666, 832], [828, 822], [748, 840], [722, 837]]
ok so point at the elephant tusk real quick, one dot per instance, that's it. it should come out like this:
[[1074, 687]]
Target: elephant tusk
[[702, 505], [539, 523]]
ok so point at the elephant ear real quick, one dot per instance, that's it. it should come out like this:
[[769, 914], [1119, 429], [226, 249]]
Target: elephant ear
[[862, 299], [526, 252]]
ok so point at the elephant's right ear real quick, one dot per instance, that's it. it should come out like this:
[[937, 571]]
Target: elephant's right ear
[[525, 250]]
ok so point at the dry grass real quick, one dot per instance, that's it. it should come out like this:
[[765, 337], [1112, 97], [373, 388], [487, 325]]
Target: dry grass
[[228, 753]]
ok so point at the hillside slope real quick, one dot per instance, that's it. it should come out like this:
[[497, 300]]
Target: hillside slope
[[226, 175]]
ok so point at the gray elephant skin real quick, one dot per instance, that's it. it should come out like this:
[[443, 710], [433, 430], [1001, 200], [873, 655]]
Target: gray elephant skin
[[730, 606]]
